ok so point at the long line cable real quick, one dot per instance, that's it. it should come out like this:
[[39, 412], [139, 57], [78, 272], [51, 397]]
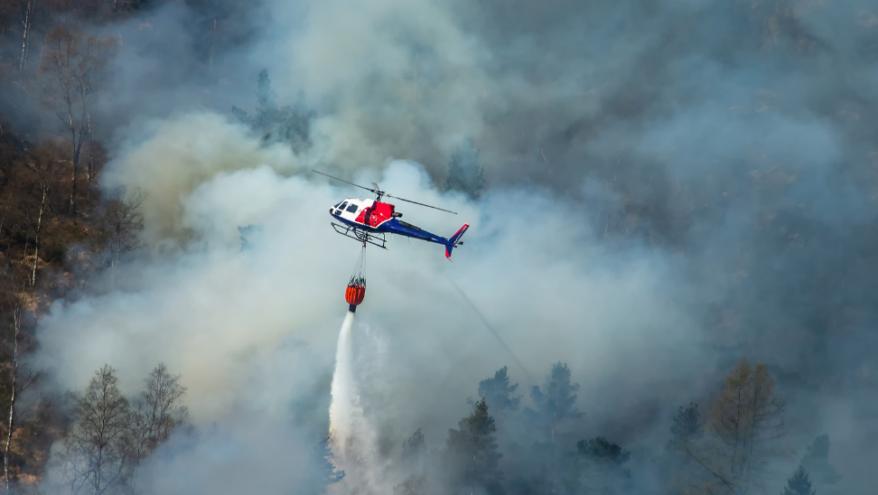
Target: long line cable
[[490, 328], [360, 265], [363, 261]]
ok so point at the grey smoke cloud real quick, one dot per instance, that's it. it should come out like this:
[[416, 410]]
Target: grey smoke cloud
[[671, 187], [216, 314]]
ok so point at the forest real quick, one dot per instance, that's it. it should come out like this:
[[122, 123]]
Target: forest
[[717, 163]]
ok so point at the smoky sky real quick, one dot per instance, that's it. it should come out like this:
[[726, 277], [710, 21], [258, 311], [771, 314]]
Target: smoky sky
[[692, 181]]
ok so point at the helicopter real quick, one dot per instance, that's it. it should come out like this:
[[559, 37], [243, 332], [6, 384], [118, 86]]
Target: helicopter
[[370, 220]]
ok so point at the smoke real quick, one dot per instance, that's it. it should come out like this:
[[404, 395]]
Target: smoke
[[670, 188], [250, 330], [168, 161]]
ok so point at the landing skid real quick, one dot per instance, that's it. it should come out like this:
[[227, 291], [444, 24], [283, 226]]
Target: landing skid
[[376, 239]]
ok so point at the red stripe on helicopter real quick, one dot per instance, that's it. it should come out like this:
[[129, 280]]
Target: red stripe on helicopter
[[376, 214]]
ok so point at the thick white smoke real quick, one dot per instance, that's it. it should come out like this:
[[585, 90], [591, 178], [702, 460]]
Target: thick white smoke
[[166, 160], [251, 330], [664, 127]]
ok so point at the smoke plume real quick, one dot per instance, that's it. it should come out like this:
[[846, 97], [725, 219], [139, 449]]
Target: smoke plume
[[666, 188]]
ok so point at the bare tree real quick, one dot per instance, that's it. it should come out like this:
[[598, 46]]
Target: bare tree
[[158, 410], [39, 226], [98, 447], [747, 421], [13, 388], [120, 222], [42, 167], [26, 23], [73, 63], [745, 425], [19, 380]]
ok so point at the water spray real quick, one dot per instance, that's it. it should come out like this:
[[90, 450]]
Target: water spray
[[344, 403]]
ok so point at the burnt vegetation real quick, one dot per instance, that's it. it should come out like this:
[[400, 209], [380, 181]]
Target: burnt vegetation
[[57, 228]]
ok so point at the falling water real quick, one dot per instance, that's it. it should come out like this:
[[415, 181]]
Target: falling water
[[352, 438], [345, 405]]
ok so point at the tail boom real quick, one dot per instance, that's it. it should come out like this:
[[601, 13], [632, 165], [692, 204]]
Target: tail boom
[[454, 240]]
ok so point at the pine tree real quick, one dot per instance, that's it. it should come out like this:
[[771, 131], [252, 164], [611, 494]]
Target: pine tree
[[605, 465], [816, 462], [464, 171], [499, 393], [275, 123], [601, 450], [412, 463], [799, 484], [471, 453], [683, 467], [687, 425], [414, 446], [556, 401], [264, 94], [553, 467]]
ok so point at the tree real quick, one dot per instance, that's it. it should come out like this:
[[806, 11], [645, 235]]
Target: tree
[[687, 425], [747, 419], [556, 401], [414, 447], [601, 450], [27, 15], [158, 411], [499, 393], [413, 462], [98, 446], [41, 166], [72, 63], [464, 171], [15, 386], [605, 465], [687, 430], [265, 96], [289, 124], [550, 466], [816, 462], [799, 484], [472, 455], [119, 222], [25, 208]]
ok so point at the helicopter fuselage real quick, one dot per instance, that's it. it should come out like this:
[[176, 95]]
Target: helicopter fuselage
[[369, 218], [377, 216]]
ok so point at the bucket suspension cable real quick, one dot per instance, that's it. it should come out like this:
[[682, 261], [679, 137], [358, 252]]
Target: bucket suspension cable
[[363, 262], [360, 266]]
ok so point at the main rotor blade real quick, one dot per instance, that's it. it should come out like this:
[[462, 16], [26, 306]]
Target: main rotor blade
[[345, 181], [421, 204], [381, 193]]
